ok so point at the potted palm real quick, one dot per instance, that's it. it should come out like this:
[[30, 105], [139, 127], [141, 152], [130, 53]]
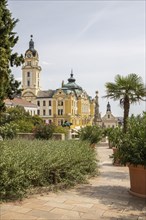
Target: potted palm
[[127, 90], [132, 152]]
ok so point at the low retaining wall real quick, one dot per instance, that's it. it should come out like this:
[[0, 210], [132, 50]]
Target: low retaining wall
[[29, 136], [58, 136]]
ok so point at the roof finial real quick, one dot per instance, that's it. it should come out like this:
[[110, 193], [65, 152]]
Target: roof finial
[[71, 73], [31, 43]]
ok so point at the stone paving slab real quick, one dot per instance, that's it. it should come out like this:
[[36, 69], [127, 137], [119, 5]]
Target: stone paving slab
[[106, 197]]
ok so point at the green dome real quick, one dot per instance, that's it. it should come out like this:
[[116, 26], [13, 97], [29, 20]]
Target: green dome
[[71, 85]]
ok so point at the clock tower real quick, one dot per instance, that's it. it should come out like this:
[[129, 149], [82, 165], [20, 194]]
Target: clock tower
[[31, 73]]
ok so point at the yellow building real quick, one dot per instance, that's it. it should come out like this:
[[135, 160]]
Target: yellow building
[[69, 103]]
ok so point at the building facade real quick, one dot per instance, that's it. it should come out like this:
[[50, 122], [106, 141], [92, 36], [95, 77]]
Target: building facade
[[69, 103], [109, 120]]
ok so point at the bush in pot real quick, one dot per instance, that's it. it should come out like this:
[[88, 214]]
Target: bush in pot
[[132, 152], [114, 138], [93, 134]]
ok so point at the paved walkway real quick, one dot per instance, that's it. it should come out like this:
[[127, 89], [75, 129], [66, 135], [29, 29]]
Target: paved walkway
[[106, 197]]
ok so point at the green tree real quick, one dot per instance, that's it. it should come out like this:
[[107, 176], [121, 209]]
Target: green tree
[[128, 90], [8, 39], [18, 116]]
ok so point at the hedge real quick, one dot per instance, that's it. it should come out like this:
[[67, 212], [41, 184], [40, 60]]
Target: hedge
[[28, 164]]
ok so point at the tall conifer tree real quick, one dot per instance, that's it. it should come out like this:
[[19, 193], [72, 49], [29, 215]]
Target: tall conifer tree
[[9, 87]]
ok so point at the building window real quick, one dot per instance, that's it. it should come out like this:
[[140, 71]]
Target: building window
[[44, 103], [28, 83], [50, 103], [50, 112], [50, 121], [108, 116], [60, 111], [38, 112], [60, 103], [28, 63], [28, 74], [60, 122], [44, 112], [38, 103]]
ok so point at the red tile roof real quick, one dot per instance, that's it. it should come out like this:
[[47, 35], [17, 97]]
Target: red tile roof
[[19, 102]]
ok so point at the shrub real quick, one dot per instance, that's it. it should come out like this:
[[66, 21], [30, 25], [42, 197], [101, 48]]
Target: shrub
[[25, 126], [44, 131], [133, 146], [38, 163], [93, 134], [60, 129], [8, 131], [115, 136], [21, 118]]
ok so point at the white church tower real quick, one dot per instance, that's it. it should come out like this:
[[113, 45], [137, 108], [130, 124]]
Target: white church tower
[[31, 73]]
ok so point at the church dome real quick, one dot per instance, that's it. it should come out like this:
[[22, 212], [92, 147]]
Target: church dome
[[71, 85]]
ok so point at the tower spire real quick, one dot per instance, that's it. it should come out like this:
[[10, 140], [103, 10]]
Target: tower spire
[[71, 72], [108, 107], [31, 43], [71, 79]]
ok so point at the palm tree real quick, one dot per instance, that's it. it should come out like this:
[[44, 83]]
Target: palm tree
[[129, 89]]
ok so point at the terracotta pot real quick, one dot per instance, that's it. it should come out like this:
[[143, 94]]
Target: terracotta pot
[[114, 150], [137, 180]]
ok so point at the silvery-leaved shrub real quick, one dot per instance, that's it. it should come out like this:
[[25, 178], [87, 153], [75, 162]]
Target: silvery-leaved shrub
[[8, 130]]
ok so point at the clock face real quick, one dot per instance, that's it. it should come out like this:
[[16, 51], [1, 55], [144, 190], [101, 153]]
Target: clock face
[[28, 55]]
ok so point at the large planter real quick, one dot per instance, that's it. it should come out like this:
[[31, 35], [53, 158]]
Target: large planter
[[137, 180]]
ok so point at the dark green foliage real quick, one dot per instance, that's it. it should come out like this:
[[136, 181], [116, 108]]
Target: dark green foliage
[[8, 86], [133, 147], [114, 135], [36, 120], [13, 88], [20, 118], [44, 131], [93, 134], [26, 164], [15, 114]]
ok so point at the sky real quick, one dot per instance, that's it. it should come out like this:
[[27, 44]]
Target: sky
[[97, 39]]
